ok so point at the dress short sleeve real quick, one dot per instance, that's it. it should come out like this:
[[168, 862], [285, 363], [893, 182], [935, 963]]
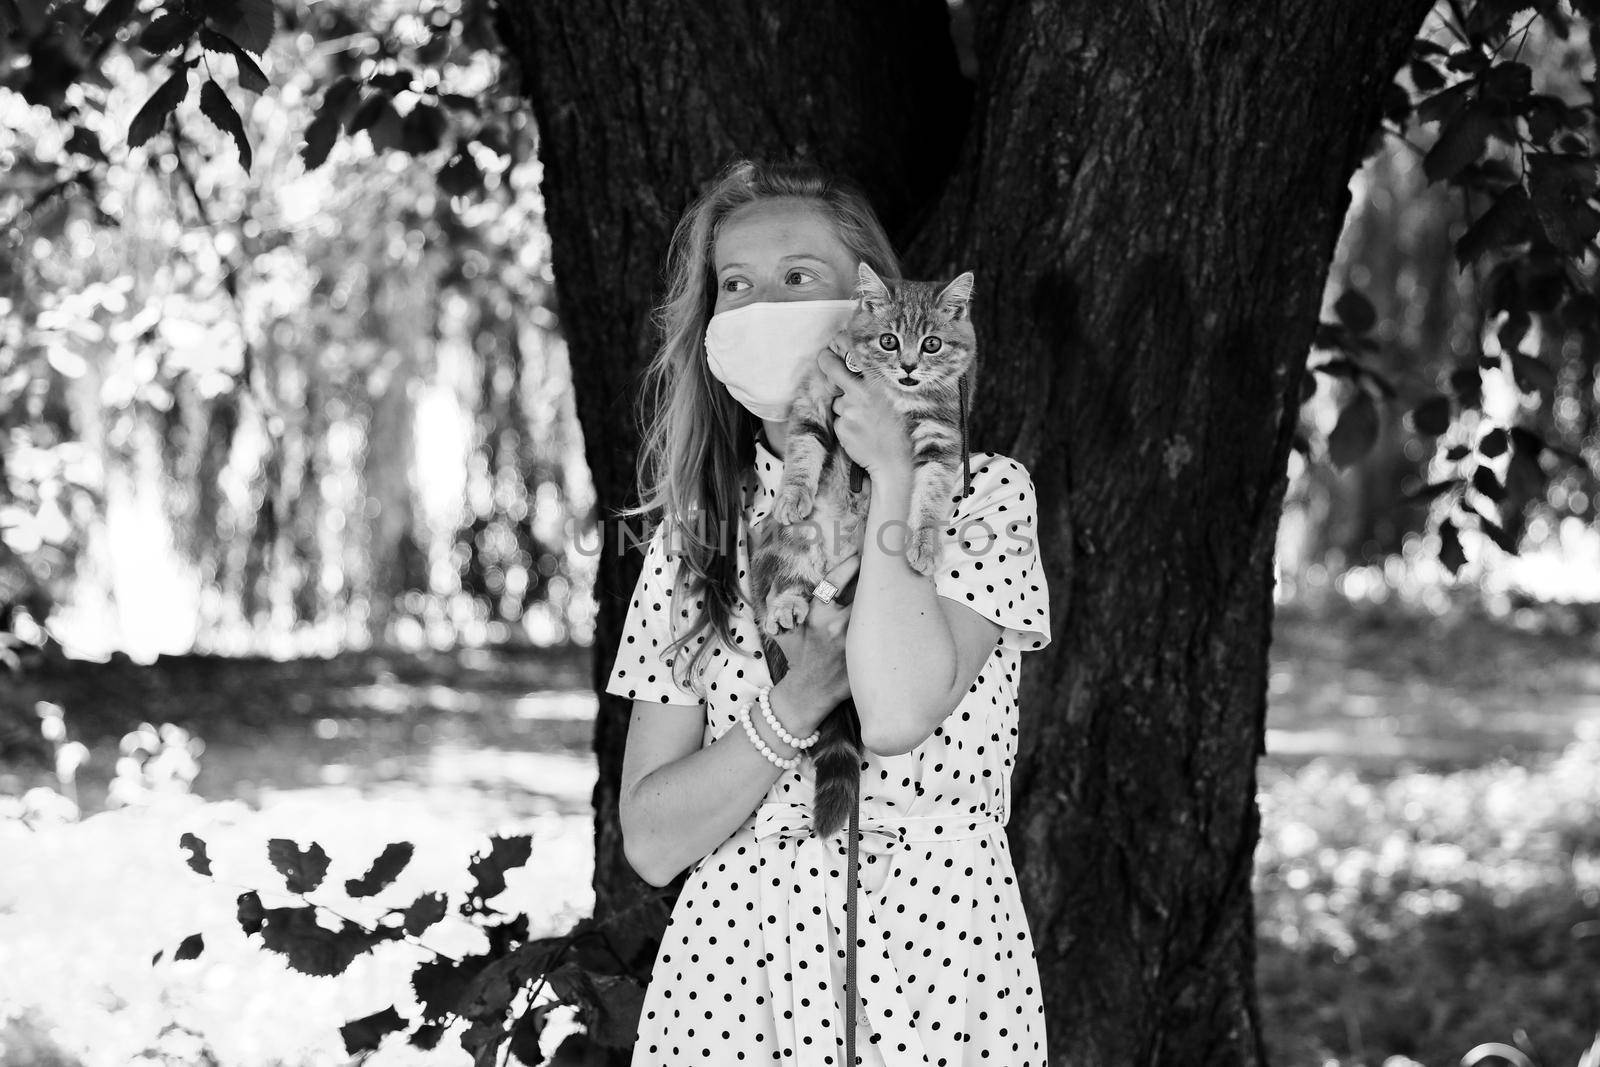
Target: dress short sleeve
[[989, 558], [640, 671]]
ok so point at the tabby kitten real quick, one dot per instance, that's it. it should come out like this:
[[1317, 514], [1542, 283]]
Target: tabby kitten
[[914, 339]]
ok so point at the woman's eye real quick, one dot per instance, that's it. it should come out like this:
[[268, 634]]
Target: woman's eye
[[932, 344], [797, 273], [888, 342], [732, 284]]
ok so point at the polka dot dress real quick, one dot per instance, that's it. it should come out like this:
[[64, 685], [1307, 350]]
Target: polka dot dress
[[751, 968]]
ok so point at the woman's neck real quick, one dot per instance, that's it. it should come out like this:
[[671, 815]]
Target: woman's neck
[[776, 433]]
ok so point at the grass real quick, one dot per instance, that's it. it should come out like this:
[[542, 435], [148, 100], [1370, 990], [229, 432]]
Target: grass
[[1428, 877], [1422, 915]]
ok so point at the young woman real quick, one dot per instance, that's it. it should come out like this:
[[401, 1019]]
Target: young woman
[[751, 966]]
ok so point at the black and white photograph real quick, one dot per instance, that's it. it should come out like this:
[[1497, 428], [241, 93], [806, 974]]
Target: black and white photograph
[[848, 533]]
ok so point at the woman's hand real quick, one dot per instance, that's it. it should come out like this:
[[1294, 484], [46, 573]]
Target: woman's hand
[[817, 679], [867, 425]]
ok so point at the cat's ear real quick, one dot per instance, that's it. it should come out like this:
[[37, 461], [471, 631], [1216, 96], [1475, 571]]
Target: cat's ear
[[956, 298], [870, 289]]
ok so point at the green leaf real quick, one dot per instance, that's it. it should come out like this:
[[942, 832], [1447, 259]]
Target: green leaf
[[1450, 553], [1355, 311], [384, 870], [1545, 286], [319, 140], [391, 82], [1485, 482], [190, 948], [1468, 61], [1356, 431], [339, 96], [387, 130], [1432, 416], [1525, 477], [167, 31], [1510, 83], [1462, 139], [249, 22], [86, 143], [215, 105], [1513, 329], [163, 102], [198, 861], [424, 912], [304, 870], [1457, 453], [1532, 375], [1508, 221], [422, 129], [620, 1000], [250, 913], [367, 1033], [250, 75], [1559, 187], [1546, 116], [441, 984], [1494, 443], [489, 869], [525, 1034], [460, 176], [1498, 534], [1445, 103], [367, 112], [311, 948], [1425, 76], [427, 1035]]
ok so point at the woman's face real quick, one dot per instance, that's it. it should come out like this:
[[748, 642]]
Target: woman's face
[[780, 249]]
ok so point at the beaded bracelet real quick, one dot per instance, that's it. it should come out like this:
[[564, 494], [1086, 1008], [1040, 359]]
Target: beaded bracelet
[[766, 750], [777, 727]]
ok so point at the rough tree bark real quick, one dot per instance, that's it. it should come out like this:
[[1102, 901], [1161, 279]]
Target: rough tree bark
[[1150, 197]]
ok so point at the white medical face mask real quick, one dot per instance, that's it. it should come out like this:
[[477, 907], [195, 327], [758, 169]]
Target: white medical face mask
[[763, 351]]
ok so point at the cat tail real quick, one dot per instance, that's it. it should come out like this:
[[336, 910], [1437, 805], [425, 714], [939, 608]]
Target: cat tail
[[837, 758]]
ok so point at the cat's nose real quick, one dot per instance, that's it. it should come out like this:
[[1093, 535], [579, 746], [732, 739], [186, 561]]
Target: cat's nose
[[908, 367]]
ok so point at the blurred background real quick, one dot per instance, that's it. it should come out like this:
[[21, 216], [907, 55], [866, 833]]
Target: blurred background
[[296, 537]]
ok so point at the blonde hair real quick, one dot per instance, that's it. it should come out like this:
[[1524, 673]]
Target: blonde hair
[[699, 441]]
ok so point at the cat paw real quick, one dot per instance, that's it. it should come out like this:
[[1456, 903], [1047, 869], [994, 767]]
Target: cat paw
[[786, 611], [923, 550], [794, 503]]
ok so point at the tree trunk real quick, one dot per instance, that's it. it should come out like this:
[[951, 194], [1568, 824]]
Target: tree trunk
[[638, 105], [1151, 204]]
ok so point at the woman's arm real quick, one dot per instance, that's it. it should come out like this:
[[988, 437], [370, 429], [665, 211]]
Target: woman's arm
[[679, 801], [912, 654]]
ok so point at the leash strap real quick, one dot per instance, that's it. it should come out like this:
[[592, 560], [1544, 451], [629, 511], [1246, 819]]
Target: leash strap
[[850, 944], [857, 477]]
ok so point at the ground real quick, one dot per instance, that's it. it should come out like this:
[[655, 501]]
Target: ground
[[1428, 879]]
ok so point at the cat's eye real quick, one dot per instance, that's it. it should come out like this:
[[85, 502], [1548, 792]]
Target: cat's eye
[[888, 342], [932, 344]]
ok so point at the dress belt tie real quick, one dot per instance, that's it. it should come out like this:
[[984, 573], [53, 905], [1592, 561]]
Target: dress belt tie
[[814, 903]]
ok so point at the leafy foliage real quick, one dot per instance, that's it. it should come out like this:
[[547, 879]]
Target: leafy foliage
[[496, 993], [1519, 145], [421, 82], [1420, 915]]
